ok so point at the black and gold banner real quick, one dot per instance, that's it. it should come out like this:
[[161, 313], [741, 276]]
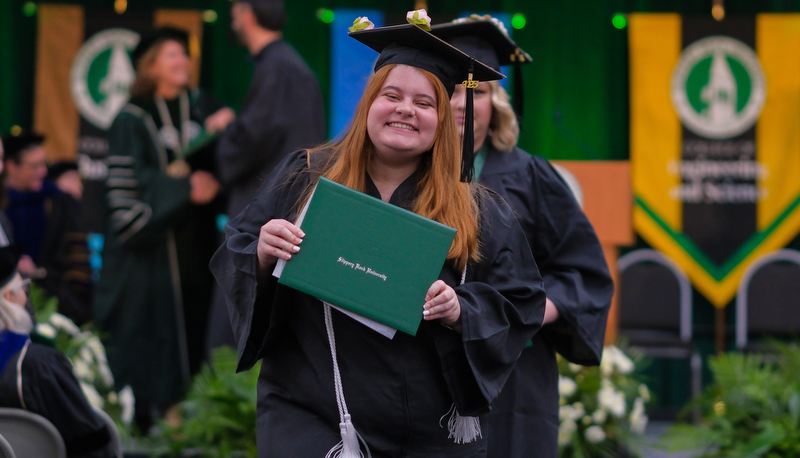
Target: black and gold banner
[[715, 143]]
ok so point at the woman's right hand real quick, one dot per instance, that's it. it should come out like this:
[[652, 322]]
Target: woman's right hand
[[204, 187], [278, 239]]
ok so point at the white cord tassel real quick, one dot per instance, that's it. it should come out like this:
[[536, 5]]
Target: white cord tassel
[[349, 445], [463, 430]]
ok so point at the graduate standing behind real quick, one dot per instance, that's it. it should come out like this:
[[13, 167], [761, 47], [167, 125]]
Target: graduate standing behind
[[524, 420], [152, 298], [403, 148]]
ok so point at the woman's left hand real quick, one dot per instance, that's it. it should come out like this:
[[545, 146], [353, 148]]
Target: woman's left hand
[[219, 120], [441, 303]]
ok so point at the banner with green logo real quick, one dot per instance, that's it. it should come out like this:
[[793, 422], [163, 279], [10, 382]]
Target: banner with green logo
[[715, 141], [89, 79]]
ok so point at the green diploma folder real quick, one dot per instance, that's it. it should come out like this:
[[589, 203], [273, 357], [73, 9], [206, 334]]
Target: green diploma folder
[[367, 256]]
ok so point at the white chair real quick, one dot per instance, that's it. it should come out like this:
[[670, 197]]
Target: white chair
[[768, 300], [31, 435], [5, 448]]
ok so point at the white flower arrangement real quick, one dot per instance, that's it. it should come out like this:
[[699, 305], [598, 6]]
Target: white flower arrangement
[[88, 357], [595, 434], [611, 399], [601, 408], [566, 386]]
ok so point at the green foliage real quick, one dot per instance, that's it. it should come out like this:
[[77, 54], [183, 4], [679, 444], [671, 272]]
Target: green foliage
[[752, 408], [602, 408], [219, 413]]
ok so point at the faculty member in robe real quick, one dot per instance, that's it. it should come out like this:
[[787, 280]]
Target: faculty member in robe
[[152, 298], [39, 379]]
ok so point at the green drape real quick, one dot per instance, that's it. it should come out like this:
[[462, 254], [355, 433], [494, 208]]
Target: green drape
[[576, 90]]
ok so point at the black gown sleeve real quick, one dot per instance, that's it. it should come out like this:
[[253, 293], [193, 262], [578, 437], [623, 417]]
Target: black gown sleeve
[[235, 264], [51, 390], [283, 111], [573, 266], [502, 307]]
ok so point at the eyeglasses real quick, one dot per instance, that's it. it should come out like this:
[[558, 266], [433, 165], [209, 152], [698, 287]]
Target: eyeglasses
[[34, 165]]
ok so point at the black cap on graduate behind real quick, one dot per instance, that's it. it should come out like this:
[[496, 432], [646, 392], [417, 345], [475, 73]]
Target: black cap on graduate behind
[[9, 258], [14, 146], [408, 44], [158, 36], [486, 39]]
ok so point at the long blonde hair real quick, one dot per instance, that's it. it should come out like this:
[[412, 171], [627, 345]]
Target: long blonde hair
[[504, 125], [441, 196]]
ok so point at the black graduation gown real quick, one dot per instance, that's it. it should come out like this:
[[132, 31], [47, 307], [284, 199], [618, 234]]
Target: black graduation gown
[[524, 421], [50, 389], [396, 390], [282, 112]]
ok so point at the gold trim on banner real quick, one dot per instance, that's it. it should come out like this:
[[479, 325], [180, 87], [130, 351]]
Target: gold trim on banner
[[778, 128], [655, 46], [60, 37]]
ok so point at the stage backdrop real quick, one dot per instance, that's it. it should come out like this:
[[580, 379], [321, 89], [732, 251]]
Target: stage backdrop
[[83, 73], [715, 141]]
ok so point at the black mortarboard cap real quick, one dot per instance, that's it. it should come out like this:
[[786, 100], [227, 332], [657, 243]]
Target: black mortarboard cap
[[481, 37], [14, 145], [9, 258], [157, 36], [409, 44]]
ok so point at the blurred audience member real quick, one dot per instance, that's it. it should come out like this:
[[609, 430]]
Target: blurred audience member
[[46, 223], [6, 232], [38, 378], [67, 178]]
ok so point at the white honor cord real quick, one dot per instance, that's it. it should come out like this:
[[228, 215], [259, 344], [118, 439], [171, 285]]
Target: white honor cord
[[349, 445], [166, 120], [19, 374]]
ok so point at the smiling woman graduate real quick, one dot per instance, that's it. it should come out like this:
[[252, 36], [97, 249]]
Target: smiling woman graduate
[[402, 147]]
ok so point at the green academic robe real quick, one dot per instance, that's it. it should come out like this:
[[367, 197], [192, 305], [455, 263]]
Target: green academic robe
[[152, 297]]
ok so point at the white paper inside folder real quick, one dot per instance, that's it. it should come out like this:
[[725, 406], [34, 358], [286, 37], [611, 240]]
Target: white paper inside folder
[[380, 328]]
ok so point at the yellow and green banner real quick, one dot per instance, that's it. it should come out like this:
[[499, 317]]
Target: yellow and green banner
[[715, 141]]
